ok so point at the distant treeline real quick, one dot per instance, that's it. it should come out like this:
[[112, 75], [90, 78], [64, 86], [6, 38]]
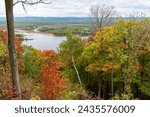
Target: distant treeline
[[57, 18]]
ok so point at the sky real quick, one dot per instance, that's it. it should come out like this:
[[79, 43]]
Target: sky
[[78, 8]]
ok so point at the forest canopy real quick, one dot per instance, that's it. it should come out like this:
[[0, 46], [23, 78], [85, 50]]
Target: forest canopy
[[112, 63]]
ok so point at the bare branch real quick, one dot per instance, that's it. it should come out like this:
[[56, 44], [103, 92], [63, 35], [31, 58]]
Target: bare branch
[[135, 15], [101, 15], [31, 2]]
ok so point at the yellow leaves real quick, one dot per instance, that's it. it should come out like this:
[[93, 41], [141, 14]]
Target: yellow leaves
[[107, 67], [106, 35], [116, 66], [110, 49], [93, 67], [35, 98], [3, 49]]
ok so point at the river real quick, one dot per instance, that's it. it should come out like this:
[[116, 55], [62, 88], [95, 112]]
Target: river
[[43, 41]]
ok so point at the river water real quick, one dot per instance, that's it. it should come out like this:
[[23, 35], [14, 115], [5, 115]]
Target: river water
[[43, 41]]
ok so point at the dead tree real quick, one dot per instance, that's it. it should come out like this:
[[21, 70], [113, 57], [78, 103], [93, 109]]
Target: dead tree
[[101, 15], [135, 15]]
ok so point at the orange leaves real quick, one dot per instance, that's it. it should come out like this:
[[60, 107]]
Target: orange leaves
[[93, 67], [3, 37], [99, 31], [19, 46], [139, 68], [123, 45], [44, 68], [53, 84], [108, 67], [6, 89]]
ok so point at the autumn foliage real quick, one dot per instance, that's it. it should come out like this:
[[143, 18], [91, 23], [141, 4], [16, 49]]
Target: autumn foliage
[[113, 63], [53, 84], [5, 79]]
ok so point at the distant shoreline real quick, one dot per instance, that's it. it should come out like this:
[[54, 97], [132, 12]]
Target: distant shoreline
[[24, 32]]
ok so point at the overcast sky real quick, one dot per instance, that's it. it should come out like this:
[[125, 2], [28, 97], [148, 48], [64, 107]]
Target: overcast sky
[[78, 8]]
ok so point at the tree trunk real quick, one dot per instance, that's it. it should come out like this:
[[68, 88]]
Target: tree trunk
[[112, 82], [104, 87], [12, 47], [99, 87], [74, 65], [112, 75], [99, 90]]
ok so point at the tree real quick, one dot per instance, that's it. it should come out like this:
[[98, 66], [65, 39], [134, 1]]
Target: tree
[[135, 15], [144, 85], [114, 54], [33, 61], [53, 83], [70, 50], [12, 47], [6, 88], [11, 40], [102, 57], [101, 15]]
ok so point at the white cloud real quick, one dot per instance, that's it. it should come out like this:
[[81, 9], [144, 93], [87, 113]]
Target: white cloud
[[125, 7], [80, 8]]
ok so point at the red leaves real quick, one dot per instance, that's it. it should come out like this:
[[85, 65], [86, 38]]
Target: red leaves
[[3, 37], [53, 84], [20, 48], [6, 89]]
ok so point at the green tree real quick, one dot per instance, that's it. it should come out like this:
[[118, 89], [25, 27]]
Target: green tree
[[114, 53], [33, 61], [69, 50]]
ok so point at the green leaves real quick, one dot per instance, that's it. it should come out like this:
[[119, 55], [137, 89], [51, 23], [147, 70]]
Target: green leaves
[[118, 48], [33, 61]]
